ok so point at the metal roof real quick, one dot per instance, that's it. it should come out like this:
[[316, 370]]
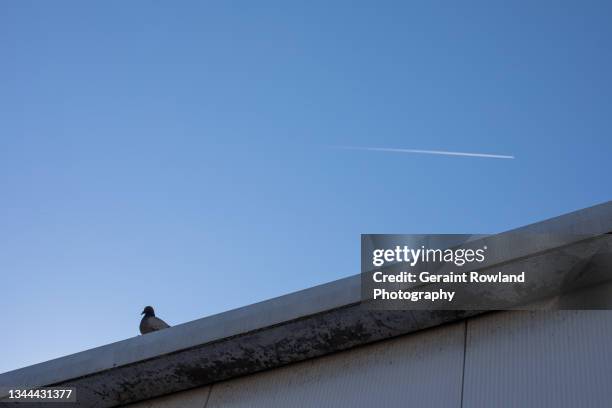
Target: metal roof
[[290, 328]]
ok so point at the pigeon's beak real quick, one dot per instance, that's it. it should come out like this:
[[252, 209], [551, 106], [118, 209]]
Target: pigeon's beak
[[143, 312]]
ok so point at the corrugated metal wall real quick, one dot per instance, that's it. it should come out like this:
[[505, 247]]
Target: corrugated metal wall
[[510, 359], [539, 359]]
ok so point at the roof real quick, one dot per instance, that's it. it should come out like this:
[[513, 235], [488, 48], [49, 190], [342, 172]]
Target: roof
[[290, 328]]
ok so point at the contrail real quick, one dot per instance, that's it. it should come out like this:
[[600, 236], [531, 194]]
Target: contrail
[[440, 152]]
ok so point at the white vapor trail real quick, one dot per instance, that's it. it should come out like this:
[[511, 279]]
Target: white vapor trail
[[439, 152]]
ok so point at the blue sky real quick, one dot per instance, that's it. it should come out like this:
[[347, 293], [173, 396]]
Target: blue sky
[[177, 153]]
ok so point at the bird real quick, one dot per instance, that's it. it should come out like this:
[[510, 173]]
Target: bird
[[150, 323]]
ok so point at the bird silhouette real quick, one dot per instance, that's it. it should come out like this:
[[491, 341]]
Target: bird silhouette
[[150, 323]]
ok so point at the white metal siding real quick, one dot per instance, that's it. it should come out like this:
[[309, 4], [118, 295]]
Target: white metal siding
[[195, 398], [539, 359]]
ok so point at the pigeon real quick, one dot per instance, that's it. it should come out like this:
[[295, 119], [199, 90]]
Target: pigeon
[[150, 323]]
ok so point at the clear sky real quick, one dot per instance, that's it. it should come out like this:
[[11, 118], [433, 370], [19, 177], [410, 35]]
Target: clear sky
[[178, 153]]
